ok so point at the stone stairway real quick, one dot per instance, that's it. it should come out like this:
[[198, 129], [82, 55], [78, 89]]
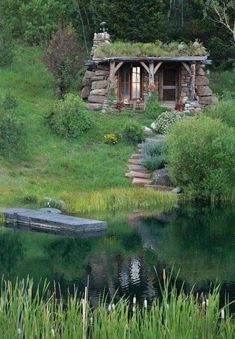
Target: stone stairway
[[140, 176]]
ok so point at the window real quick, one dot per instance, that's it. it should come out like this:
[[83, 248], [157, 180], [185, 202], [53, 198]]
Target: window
[[136, 83], [130, 83]]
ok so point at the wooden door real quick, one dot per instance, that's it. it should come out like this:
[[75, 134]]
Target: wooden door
[[169, 83]]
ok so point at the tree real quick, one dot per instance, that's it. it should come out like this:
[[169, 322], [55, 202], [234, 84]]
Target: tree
[[223, 13], [63, 58]]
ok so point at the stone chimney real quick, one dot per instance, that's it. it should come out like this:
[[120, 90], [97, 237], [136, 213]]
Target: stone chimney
[[100, 39]]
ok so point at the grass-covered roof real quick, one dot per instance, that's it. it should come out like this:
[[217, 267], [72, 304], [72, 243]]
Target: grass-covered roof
[[157, 49]]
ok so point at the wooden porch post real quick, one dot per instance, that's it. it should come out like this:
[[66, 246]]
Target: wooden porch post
[[192, 81], [151, 72]]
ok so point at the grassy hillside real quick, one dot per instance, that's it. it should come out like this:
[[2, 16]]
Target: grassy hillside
[[55, 166]]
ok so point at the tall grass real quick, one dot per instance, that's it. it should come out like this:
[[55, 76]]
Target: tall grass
[[117, 199], [24, 314]]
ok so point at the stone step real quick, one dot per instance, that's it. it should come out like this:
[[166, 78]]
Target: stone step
[[133, 174], [136, 156], [159, 187], [135, 161], [141, 181], [137, 168]]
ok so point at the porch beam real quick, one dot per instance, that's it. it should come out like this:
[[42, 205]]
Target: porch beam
[[186, 66], [118, 66], [151, 72], [156, 68], [145, 66]]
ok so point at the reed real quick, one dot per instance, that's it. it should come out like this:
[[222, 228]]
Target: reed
[[40, 314], [117, 199]]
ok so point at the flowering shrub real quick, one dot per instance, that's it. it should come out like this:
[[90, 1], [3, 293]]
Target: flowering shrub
[[166, 119], [110, 138]]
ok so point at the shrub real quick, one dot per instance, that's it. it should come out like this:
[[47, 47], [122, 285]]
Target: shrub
[[8, 102], [110, 139], [133, 132], [6, 52], [153, 148], [153, 163], [201, 157], [224, 111], [153, 109], [167, 118], [69, 118], [12, 135]]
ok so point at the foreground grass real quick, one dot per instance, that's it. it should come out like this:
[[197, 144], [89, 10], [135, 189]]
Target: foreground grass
[[54, 166], [41, 315]]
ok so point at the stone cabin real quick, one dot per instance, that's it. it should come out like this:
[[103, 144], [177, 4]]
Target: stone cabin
[[124, 81]]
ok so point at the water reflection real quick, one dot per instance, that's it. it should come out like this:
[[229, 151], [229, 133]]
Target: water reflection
[[197, 241]]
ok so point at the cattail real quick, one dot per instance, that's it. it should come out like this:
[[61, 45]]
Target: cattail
[[222, 313], [53, 332], [133, 309], [207, 302], [113, 307], [19, 331], [204, 304], [109, 308], [134, 300], [145, 303], [91, 320]]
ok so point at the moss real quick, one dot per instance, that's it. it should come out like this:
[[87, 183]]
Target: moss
[[156, 49]]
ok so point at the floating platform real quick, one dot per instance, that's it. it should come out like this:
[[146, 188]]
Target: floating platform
[[51, 220]]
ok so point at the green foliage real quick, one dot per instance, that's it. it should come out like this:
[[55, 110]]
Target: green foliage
[[224, 110], [153, 163], [6, 49], [150, 49], [69, 118], [133, 132], [201, 157], [153, 108], [13, 132], [153, 155], [223, 83]]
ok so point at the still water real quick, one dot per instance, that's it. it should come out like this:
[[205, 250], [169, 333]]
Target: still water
[[197, 243]]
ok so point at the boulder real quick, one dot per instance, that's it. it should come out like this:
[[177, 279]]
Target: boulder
[[161, 177], [96, 98], [86, 81], [203, 91], [98, 77], [94, 106], [99, 84], [102, 72], [177, 190], [206, 100], [200, 71], [85, 92], [101, 91], [89, 74], [201, 81]]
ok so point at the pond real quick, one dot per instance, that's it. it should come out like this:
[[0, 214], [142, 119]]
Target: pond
[[196, 243]]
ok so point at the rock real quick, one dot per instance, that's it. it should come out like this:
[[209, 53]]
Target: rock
[[99, 84], [197, 110], [89, 74], [201, 81], [102, 72], [215, 100], [101, 91], [133, 174], [85, 92], [177, 190], [86, 82], [141, 181], [205, 100], [161, 177], [96, 99], [147, 130], [200, 71], [98, 78], [94, 106], [203, 91], [153, 125]]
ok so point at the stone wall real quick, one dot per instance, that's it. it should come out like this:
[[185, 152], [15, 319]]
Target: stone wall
[[204, 93]]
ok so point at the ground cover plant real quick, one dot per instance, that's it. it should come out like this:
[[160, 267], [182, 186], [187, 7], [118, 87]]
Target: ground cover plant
[[38, 312], [153, 155]]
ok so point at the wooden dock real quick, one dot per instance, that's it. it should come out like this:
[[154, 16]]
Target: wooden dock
[[51, 220]]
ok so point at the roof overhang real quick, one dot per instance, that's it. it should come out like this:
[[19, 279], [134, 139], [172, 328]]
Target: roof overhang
[[186, 58]]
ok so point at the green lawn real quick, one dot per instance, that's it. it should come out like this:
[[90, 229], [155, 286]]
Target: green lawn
[[56, 166]]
